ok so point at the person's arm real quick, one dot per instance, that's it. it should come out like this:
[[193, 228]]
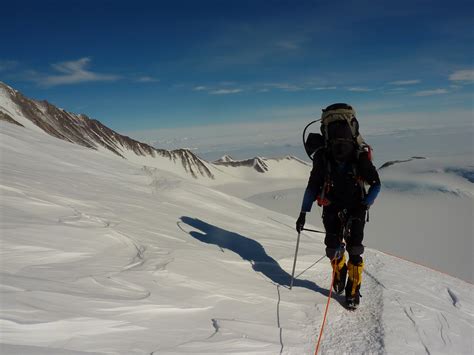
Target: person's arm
[[315, 184], [371, 176], [308, 199], [313, 189]]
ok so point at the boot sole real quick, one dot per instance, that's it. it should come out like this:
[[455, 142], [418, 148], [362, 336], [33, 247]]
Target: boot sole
[[351, 306]]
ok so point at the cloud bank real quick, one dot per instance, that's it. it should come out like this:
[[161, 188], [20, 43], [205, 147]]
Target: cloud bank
[[73, 72], [463, 75], [431, 92]]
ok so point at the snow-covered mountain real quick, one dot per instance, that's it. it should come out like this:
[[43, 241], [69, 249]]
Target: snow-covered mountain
[[90, 133], [79, 129], [259, 164], [256, 163], [103, 255], [224, 159]]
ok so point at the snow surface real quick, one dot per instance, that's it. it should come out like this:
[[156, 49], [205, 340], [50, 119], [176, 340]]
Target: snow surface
[[103, 255]]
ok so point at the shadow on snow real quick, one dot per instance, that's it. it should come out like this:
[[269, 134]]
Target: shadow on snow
[[248, 249]]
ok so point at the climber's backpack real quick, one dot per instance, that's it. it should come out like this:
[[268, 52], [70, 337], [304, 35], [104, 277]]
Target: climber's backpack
[[338, 122]]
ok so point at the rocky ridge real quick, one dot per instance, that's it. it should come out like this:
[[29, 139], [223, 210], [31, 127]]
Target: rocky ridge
[[82, 130]]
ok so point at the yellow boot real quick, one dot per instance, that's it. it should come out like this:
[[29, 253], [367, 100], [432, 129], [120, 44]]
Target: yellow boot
[[353, 284], [340, 269]]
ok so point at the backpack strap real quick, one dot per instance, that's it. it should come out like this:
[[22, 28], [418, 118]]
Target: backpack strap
[[359, 180], [327, 177], [365, 149]]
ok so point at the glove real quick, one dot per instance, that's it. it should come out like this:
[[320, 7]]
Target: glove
[[300, 222], [323, 201]]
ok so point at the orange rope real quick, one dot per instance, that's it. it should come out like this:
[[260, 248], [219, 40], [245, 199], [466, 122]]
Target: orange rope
[[326, 311]]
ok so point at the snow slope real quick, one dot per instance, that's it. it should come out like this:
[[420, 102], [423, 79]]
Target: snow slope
[[103, 255]]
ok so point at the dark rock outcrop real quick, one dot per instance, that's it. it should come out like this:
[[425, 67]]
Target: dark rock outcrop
[[8, 118], [389, 163]]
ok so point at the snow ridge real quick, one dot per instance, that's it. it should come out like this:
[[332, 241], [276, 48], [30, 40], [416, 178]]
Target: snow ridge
[[256, 163], [259, 164], [87, 132]]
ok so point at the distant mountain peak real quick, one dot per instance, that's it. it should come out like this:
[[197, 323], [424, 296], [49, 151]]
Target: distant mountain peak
[[224, 159], [289, 157], [7, 87], [260, 164], [257, 163]]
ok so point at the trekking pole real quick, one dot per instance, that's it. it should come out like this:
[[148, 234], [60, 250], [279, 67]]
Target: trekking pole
[[313, 230], [294, 261]]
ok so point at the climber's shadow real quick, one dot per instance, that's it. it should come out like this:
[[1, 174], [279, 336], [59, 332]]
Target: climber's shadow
[[249, 250]]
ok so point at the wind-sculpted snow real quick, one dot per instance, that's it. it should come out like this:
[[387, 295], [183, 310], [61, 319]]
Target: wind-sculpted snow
[[103, 255], [249, 250]]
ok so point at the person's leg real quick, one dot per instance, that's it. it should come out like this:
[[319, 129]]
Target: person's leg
[[354, 244], [332, 224], [355, 249]]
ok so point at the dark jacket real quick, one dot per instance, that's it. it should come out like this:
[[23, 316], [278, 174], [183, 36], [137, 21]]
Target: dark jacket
[[343, 183]]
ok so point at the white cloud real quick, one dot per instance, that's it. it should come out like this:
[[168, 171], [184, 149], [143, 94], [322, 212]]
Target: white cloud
[[462, 75], [431, 92], [200, 88], [359, 89], [325, 88], [7, 64], [147, 79], [284, 86], [226, 91], [73, 72], [405, 82]]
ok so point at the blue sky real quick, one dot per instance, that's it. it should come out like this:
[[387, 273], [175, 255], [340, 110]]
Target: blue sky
[[150, 65]]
